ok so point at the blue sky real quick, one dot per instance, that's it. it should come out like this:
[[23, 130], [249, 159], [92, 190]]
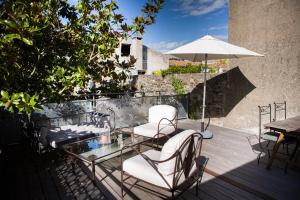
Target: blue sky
[[180, 21]]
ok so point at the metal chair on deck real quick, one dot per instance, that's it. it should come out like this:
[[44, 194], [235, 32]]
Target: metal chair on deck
[[265, 136], [162, 121], [176, 167], [280, 114]]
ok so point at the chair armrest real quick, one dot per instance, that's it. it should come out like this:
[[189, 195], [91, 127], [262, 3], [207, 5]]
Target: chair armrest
[[150, 161], [171, 122]]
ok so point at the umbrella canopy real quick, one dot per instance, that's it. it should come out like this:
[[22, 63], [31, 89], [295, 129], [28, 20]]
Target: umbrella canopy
[[209, 48], [213, 47]]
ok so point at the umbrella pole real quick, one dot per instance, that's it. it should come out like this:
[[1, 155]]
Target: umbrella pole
[[204, 95]]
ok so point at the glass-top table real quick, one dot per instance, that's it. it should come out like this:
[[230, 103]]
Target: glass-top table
[[97, 149]]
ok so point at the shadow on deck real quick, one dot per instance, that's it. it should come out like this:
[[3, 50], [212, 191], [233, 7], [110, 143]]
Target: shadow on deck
[[231, 173]]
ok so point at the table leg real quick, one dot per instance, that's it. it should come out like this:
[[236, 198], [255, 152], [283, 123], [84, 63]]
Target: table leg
[[275, 149], [292, 156], [93, 170], [71, 161], [295, 150]]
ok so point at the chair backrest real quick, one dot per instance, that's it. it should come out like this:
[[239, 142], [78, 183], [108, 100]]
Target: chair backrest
[[179, 155], [279, 108], [265, 112], [157, 112]]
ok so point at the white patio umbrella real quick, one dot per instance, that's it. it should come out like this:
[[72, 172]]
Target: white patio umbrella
[[209, 48]]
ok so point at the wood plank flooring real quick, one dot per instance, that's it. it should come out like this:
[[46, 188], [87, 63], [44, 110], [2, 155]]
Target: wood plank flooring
[[232, 172]]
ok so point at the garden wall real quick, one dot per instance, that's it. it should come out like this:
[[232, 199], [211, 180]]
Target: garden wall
[[159, 83], [224, 91]]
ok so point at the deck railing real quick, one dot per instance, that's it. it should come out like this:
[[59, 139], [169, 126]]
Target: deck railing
[[130, 108]]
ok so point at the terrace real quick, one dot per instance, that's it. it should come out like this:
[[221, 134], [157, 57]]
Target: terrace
[[80, 116], [232, 172]]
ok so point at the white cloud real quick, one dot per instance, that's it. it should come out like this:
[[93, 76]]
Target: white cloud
[[218, 27], [199, 7], [164, 46]]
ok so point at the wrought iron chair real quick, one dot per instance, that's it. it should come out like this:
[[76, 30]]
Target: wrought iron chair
[[279, 114], [267, 136], [279, 107], [176, 167], [162, 121]]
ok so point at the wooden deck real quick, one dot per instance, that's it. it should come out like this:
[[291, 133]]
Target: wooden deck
[[231, 173]]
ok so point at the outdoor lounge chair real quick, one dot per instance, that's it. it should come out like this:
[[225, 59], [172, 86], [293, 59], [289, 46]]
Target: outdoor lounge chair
[[176, 167], [162, 121]]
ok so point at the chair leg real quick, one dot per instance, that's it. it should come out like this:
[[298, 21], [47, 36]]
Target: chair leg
[[292, 156], [269, 155], [286, 167], [197, 186], [122, 189], [258, 158]]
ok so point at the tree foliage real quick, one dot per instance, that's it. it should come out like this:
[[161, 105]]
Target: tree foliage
[[48, 47]]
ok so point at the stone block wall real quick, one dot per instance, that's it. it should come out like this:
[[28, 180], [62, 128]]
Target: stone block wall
[[224, 91], [159, 83]]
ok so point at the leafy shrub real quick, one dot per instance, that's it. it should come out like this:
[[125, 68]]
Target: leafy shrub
[[189, 68], [213, 70], [182, 69], [21, 101], [178, 85]]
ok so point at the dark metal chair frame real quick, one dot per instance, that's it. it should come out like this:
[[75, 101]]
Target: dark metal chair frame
[[182, 167], [279, 107], [158, 135], [264, 110]]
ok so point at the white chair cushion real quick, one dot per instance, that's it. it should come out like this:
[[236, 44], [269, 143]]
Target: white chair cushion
[[156, 113], [169, 148], [150, 129], [138, 167]]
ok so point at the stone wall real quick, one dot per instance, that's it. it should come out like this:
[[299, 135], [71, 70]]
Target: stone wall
[[224, 91], [270, 28], [159, 83]]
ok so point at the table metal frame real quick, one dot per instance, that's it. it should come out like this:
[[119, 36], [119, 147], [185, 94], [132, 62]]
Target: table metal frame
[[93, 161], [281, 138]]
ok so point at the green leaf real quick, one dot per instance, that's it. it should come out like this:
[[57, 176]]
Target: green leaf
[[32, 101], [9, 23], [5, 95], [10, 37], [27, 41], [10, 109]]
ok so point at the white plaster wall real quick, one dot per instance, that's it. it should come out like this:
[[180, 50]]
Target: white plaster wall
[[156, 61]]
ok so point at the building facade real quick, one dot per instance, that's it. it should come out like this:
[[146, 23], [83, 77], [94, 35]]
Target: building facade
[[272, 28], [147, 59]]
